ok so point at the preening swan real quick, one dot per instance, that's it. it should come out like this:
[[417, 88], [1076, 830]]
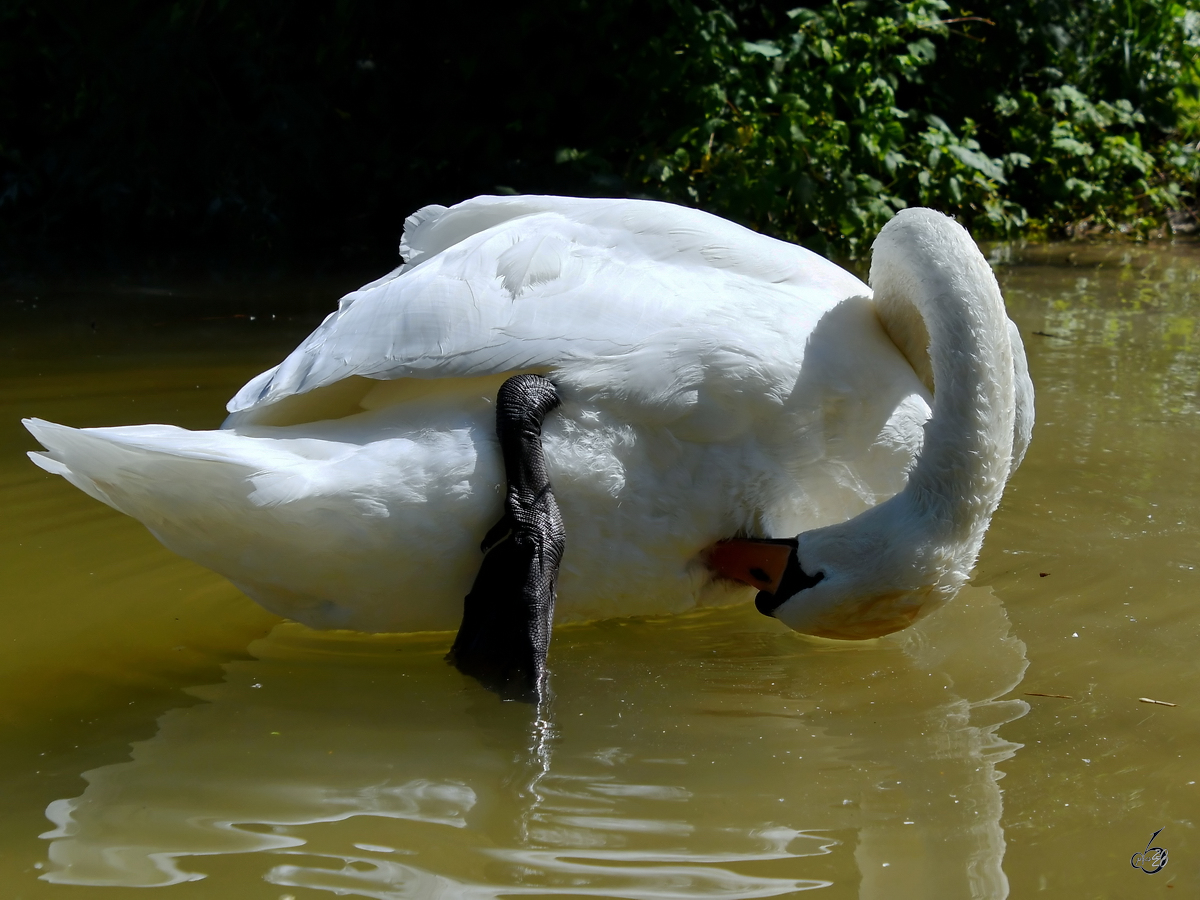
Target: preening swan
[[713, 384]]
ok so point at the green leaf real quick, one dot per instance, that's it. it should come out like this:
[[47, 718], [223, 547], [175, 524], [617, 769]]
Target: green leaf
[[763, 48]]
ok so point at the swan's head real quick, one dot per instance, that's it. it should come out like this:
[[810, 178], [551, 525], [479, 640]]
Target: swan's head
[[857, 580]]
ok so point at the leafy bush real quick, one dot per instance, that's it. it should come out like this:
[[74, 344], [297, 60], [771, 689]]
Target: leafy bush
[[209, 127], [826, 119], [800, 134], [1092, 93]]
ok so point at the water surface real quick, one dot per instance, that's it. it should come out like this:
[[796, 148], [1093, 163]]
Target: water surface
[[162, 731]]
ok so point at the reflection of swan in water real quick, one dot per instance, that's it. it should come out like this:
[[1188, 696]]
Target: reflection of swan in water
[[732, 761]]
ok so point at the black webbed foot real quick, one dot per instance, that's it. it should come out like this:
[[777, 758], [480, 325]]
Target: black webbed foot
[[505, 633]]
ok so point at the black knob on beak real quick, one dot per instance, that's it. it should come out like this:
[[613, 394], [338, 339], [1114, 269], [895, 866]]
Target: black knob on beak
[[794, 580]]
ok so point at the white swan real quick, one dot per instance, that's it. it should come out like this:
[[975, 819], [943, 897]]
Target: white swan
[[715, 383]]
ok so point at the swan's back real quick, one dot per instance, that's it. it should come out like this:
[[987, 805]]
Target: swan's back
[[605, 293]]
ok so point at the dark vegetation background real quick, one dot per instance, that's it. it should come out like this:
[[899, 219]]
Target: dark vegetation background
[[273, 131]]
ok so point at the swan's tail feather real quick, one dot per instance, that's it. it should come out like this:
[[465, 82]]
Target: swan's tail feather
[[53, 462], [157, 473], [144, 471], [272, 513]]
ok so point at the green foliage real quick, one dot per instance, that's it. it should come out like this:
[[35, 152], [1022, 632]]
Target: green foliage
[[1091, 166], [823, 121], [800, 135], [1091, 93], [142, 126]]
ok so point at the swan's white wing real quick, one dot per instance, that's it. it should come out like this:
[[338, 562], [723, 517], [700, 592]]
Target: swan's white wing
[[655, 305]]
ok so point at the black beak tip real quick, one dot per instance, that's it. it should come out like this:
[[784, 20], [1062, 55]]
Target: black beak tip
[[794, 580], [767, 603]]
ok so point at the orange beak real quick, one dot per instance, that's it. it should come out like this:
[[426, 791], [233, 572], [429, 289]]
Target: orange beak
[[759, 563]]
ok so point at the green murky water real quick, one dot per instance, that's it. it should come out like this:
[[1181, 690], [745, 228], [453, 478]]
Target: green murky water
[[159, 729]]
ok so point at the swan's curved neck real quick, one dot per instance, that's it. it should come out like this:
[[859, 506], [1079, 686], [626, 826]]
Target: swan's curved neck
[[925, 262], [883, 568]]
